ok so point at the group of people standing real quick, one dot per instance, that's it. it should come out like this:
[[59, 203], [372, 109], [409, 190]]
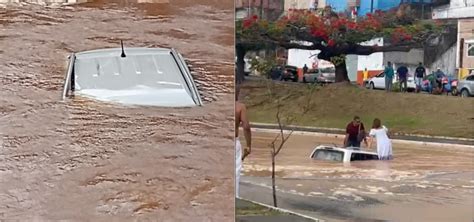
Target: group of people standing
[[355, 135], [419, 76]]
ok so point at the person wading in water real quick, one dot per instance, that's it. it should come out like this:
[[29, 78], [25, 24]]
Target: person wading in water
[[355, 133], [240, 120]]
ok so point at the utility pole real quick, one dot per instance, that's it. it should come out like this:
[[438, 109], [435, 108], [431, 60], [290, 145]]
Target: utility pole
[[371, 6], [261, 9]]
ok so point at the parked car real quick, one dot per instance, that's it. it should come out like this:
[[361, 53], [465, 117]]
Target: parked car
[[327, 75], [466, 86], [378, 82], [290, 73], [275, 73], [311, 76], [333, 153]]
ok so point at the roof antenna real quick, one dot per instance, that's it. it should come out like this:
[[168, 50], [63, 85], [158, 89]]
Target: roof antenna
[[123, 51]]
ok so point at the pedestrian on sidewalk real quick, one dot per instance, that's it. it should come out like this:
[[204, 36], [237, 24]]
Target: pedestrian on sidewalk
[[355, 133], [384, 144], [420, 74], [389, 73], [241, 120], [402, 73]]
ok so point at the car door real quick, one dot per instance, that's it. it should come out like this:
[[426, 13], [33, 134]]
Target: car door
[[379, 81], [470, 84]]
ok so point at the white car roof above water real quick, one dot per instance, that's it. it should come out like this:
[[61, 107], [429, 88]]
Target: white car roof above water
[[145, 76], [346, 151]]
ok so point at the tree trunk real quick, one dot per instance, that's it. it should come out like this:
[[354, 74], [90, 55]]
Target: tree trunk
[[341, 72], [273, 179], [240, 72]]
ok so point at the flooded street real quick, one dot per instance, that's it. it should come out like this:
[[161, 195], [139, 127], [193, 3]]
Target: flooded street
[[422, 183], [90, 161]]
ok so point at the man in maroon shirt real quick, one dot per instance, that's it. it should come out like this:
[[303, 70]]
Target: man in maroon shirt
[[355, 133]]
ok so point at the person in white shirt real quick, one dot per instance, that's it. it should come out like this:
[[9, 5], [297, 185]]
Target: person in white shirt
[[384, 143]]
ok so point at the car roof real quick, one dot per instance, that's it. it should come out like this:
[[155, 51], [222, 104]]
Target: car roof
[[145, 76], [345, 150]]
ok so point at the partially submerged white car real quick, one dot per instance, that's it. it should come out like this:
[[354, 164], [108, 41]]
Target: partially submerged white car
[[348, 154], [132, 76]]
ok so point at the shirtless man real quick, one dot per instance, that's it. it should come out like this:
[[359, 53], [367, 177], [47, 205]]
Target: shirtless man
[[240, 120]]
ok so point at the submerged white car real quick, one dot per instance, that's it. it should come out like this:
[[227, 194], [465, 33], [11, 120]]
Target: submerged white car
[[338, 154], [132, 76]]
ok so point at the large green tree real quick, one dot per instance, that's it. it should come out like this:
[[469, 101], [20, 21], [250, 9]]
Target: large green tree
[[335, 35]]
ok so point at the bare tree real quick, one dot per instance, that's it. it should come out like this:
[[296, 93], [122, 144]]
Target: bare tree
[[284, 120]]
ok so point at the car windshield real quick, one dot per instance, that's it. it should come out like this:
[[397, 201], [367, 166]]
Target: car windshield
[[332, 155]]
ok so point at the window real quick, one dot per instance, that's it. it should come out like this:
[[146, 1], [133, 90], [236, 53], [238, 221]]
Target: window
[[363, 156], [331, 155], [328, 70], [470, 78], [470, 49]]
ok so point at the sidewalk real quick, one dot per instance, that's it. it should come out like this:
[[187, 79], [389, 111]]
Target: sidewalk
[[266, 215], [406, 137]]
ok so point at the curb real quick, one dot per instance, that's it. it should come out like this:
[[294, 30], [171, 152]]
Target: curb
[[401, 141], [282, 210], [404, 138]]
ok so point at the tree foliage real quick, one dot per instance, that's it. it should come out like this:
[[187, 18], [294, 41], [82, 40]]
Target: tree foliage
[[337, 35]]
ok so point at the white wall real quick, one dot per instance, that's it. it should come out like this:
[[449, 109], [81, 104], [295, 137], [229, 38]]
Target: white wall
[[300, 57], [298, 4], [373, 61], [303, 4], [456, 9], [446, 61]]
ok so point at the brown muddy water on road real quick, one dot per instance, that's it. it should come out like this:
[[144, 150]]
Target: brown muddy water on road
[[90, 161], [422, 183]]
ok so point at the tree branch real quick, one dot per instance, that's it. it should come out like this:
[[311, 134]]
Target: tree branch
[[367, 50], [286, 43]]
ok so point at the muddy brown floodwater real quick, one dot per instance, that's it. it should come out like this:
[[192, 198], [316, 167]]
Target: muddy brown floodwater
[[422, 183], [90, 161]]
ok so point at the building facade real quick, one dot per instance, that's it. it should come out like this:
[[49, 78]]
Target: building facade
[[304, 4], [465, 61], [463, 12], [267, 9]]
